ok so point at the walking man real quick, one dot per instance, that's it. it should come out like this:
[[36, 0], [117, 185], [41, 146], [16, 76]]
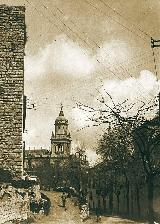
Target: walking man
[[63, 200], [98, 215]]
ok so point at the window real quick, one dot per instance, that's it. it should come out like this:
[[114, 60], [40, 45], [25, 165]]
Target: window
[[59, 149]]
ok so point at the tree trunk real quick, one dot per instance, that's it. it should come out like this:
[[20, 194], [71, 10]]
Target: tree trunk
[[111, 203], [111, 198], [150, 186], [104, 204], [131, 204], [127, 196], [118, 203], [138, 201]]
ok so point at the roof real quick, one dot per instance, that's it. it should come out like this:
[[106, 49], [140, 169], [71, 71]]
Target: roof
[[37, 152], [61, 118]]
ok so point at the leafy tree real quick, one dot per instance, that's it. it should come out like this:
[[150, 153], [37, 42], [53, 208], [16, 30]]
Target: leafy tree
[[133, 136], [116, 154], [78, 169], [147, 143]]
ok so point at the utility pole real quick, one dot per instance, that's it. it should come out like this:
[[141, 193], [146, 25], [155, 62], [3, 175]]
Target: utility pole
[[155, 44], [159, 106]]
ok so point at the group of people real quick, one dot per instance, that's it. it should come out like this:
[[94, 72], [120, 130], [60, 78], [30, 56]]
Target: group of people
[[84, 213], [84, 209], [42, 205]]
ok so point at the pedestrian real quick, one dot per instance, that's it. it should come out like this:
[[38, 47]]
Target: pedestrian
[[82, 216], [63, 200], [84, 213], [98, 215], [46, 207]]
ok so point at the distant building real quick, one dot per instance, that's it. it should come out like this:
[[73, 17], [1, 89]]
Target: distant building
[[60, 148], [37, 163], [37, 152], [58, 167], [61, 140], [34, 158]]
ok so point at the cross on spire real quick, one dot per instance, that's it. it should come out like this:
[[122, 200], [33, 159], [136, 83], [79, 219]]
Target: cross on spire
[[61, 106], [61, 111]]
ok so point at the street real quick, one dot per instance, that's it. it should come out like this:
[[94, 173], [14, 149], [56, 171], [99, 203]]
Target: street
[[58, 215]]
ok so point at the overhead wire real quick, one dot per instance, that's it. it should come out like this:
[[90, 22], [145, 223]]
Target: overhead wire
[[137, 27], [137, 57], [42, 14], [82, 39], [77, 34], [92, 41], [140, 29], [120, 64], [88, 2], [119, 14], [84, 33], [111, 18], [97, 45], [39, 11]]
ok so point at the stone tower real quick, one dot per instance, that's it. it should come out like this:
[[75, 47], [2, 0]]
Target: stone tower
[[12, 46], [61, 139]]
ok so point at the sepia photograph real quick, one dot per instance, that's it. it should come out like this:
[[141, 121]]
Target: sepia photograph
[[79, 111]]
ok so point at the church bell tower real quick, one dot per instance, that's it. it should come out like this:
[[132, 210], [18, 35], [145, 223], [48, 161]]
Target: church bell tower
[[61, 139]]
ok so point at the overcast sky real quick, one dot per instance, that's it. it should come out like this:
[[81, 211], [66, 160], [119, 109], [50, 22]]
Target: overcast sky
[[76, 45]]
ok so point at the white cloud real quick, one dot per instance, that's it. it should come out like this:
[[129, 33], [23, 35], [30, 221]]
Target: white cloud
[[91, 154], [136, 90], [142, 88], [65, 57], [74, 146], [112, 50], [92, 157], [81, 117], [62, 56]]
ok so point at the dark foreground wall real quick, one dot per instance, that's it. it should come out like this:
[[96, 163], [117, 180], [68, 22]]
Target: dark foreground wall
[[12, 42]]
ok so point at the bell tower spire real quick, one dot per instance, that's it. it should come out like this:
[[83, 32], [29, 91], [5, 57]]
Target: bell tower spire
[[61, 140]]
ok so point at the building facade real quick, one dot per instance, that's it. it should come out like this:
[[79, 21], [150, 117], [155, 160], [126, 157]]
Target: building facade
[[61, 139], [37, 163], [60, 149], [35, 158], [12, 44]]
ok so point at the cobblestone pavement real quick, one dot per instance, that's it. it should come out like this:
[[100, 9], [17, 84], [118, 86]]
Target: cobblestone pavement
[[58, 215]]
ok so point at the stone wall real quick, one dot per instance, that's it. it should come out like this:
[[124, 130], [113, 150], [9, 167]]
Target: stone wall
[[12, 42], [14, 204]]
